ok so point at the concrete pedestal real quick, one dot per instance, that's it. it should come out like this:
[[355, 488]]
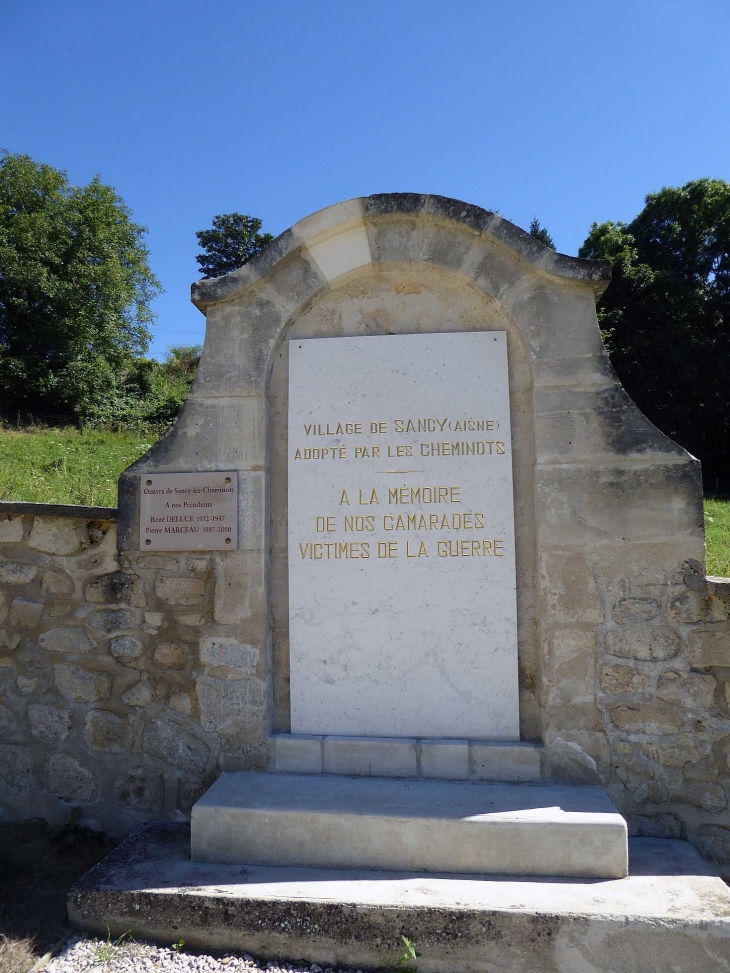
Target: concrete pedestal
[[410, 825], [673, 913]]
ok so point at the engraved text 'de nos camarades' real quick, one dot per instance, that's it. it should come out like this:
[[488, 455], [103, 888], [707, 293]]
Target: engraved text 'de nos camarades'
[[189, 511]]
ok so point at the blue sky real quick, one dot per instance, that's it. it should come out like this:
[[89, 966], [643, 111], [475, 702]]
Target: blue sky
[[567, 110]]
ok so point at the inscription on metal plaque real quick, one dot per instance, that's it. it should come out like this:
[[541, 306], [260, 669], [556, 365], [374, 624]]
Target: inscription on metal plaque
[[188, 512]]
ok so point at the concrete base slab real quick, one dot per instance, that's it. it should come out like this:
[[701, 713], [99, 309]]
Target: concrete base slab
[[672, 914], [407, 825]]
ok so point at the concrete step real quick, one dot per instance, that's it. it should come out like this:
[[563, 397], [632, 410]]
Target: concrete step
[[672, 913], [410, 825]]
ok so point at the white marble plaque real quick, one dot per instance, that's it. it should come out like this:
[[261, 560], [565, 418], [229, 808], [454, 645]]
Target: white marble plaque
[[401, 537], [188, 512]]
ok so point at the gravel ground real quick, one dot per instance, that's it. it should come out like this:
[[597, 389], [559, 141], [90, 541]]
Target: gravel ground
[[80, 955]]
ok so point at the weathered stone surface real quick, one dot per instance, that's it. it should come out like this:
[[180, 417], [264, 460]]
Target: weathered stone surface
[[232, 708], [622, 679], [83, 686], [647, 718], [191, 619], [189, 791], [682, 749], [26, 684], [51, 724], [714, 842], [70, 781], [154, 619], [658, 825], [198, 564], [139, 695], [142, 789], [57, 584], [126, 647], [180, 591], [706, 769], [708, 796], [112, 621], [66, 640], [690, 689], [11, 530], [181, 703], [9, 641], [697, 606], [59, 609], [8, 721], [631, 610], [24, 613], [16, 769], [643, 642], [569, 589], [58, 535], [171, 738], [107, 732], [13, 572], [706, 649], [171, 655], [220, 651], [118, 587]]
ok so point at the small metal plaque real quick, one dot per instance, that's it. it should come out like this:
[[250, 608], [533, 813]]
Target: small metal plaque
[[188, 512]]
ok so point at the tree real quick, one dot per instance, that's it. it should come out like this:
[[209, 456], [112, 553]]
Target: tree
[[541, 234], [230, 243], [666, 315], [75, 290]]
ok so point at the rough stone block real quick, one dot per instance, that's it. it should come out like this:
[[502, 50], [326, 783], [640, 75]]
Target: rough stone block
[[220, 651], [621, 679], [112, 621], [629, 611], [83, 686], [139, 695], [142, 789], [706, 649], [647, 718], [8, 722], [181, 703], [703, 770], [107, 732], [11, 530], [58, 535], [171, 655], [191, 619], [13, 572], [692, 607], [65, 640], [126, 647], [569, 589], [118, 587], [24, 613], [689, 689], [26, 684], [180, 591], [70, 781], [445, 759], [51, 724], [658, 825], [16, 769], [172, 739], [57, 584], [9, 641], [708, 796], [235, 709], [644, 643]]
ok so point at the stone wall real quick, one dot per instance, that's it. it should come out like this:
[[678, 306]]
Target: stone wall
[[119, 688]]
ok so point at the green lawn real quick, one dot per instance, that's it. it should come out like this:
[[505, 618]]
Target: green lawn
[[68, 466], [717, 535]]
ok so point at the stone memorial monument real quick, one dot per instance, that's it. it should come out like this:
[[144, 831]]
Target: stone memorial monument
[[409, 585]]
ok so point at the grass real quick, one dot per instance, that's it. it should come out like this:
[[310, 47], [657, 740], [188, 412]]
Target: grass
[[717, 536], [38, 865], [66, 465]]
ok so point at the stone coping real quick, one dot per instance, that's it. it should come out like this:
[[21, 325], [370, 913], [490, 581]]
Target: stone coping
[[16, 508], [415, 205]]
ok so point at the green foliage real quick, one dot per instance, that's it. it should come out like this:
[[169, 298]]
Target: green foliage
[[75, 290], [717, 537], [109, 949], [407, 959], [230, 243], [541, 234], [68, 466], [666, 314]]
